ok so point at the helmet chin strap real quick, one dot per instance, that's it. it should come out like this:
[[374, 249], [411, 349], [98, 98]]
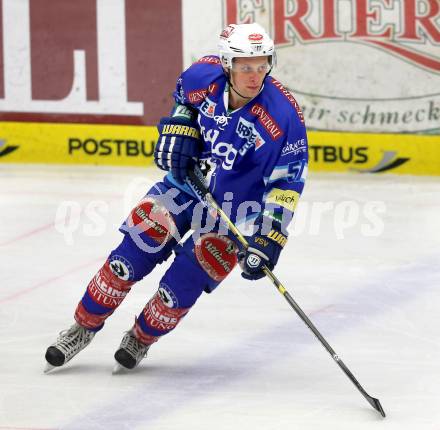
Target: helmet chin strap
[[232, 87]]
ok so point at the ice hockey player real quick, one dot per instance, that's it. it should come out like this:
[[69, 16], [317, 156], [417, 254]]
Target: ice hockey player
[[245, 132]]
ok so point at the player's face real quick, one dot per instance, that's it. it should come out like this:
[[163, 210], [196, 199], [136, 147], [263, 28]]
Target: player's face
[[247, 75]]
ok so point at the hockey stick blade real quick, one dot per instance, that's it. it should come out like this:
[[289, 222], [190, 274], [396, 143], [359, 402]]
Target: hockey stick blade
[[376, 405]]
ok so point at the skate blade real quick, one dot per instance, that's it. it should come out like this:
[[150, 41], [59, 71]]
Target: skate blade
[[48, 368], [119, 369]]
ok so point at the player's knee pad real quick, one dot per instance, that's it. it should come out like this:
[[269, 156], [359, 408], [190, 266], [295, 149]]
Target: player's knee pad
[[200, 266], [160, 316], [217, 255], [151, 226]]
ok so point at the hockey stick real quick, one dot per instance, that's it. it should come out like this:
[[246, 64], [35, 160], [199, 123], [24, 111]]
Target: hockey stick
[[196, 181]]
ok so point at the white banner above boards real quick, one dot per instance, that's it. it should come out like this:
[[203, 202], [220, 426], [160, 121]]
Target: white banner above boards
[[353, 65]]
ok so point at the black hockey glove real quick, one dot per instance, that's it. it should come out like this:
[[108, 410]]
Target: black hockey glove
[[263, 250], [178, 147]]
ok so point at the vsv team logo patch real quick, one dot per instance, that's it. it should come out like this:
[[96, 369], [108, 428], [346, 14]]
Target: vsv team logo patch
[[246, 130]]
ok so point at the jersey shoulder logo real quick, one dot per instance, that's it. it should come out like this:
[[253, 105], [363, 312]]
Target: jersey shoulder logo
[[266, 121]]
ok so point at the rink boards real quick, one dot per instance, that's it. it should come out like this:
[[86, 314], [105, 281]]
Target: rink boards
[[126, 145]]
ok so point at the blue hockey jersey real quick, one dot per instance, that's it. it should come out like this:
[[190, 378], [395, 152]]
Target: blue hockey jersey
[[255, 157]]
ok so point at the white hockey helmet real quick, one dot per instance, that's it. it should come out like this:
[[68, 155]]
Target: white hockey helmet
[[245, 40]]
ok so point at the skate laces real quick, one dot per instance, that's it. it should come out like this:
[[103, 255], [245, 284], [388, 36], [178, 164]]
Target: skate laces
[[73, 339], [135, 348]]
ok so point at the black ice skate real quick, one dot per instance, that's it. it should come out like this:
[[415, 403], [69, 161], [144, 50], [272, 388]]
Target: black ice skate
[[69, 343], [130, 352]]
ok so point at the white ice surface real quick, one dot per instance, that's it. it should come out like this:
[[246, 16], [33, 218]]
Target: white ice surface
[[242, 358]]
